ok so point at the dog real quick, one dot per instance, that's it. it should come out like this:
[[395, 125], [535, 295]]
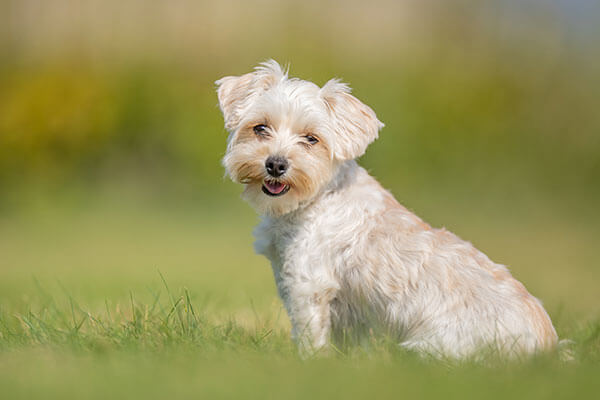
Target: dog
[[349, 261]]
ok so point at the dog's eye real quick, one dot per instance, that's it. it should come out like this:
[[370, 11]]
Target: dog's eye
[[311, 139], [260, 130]]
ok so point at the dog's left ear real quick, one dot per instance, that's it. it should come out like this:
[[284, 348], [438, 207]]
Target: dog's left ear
[[355, 124]]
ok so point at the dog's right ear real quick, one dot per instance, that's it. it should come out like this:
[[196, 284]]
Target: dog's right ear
[[233, 92], [236, 93]]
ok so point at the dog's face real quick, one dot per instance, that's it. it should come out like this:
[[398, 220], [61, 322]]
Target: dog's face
[[288, 136]]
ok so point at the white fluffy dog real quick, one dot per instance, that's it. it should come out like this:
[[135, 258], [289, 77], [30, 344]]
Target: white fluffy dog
[[350, 261]]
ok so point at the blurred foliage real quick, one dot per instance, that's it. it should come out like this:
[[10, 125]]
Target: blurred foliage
[[470, 91]]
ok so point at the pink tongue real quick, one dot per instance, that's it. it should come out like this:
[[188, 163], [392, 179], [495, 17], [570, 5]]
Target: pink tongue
[[275, 187]]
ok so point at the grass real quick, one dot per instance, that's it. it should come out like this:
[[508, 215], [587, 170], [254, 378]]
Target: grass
[[168, 321], [109, 298], [170, 347]]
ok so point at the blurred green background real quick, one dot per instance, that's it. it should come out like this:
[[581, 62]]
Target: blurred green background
[[111, 138], [109, 126]]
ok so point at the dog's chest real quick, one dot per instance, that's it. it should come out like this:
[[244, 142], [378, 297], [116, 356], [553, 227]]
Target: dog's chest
[[286, 242]]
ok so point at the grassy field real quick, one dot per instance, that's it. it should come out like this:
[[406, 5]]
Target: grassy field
[[125, 296]]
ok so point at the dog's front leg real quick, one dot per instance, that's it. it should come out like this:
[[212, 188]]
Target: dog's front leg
[[308, 305]]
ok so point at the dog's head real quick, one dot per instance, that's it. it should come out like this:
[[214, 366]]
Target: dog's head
[[288, 136]]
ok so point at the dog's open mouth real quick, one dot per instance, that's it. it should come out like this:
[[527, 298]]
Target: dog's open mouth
[[274, 188]]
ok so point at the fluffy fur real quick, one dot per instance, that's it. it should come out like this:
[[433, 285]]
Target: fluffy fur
[[348, 259]]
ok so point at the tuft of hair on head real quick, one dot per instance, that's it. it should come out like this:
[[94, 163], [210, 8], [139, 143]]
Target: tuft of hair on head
[[236, 93], [273, 69], [355, 124]]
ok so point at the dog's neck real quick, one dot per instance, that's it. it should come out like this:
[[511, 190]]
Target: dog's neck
[[343, 177]]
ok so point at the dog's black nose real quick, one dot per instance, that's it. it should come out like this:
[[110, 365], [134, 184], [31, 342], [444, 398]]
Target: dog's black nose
[[276, 166]]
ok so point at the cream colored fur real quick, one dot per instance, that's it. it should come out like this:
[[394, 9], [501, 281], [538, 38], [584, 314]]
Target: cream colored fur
[[348, 259]]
